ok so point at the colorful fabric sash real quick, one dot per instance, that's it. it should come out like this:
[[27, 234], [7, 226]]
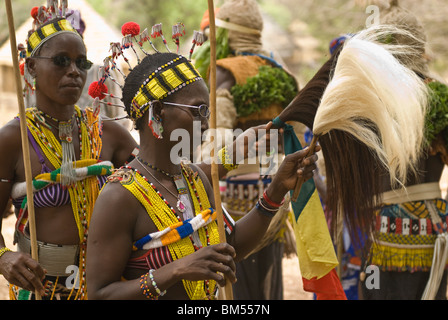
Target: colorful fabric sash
[[176, 232], [84, 169]]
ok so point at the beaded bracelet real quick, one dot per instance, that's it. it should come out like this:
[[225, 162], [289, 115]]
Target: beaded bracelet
[[264, 209], [145, 288], [3, 251], [270, 202], [154, 284], [226, 160]]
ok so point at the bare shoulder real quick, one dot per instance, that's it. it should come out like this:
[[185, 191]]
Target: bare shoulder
[[116, 131], [118, 143], [116, 205], [10, 137]]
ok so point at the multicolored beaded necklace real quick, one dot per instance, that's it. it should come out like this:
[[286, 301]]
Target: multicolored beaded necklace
[[83, 193]]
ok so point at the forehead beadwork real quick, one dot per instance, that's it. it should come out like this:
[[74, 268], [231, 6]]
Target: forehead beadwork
[[47, 23], [164, 81]]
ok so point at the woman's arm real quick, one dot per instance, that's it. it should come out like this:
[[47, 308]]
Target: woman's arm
[[250, 229], [17, 268], [118, 143], [248, 144]]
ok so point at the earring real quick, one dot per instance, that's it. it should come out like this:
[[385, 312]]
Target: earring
[[30, 81], [155, 123]]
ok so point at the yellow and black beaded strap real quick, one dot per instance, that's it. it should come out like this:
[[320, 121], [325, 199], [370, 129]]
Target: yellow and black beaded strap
[[165, 80], [41, 35]]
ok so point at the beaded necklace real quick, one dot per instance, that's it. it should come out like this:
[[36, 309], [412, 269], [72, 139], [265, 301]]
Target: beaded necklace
[[170, 175], [178, 181], [163, 215], [82, 193]]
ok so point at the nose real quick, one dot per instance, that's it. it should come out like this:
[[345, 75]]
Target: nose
[[73, 69]]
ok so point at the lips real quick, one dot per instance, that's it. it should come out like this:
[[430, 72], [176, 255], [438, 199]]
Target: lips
[[72, 85]]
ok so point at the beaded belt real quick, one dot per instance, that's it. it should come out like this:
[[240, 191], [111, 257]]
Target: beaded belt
[[52, 257]]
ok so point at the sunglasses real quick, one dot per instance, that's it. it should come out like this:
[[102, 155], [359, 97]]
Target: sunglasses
[[64, 62], [198, 111]]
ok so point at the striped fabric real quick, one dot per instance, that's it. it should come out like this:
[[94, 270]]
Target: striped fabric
[[46, 32], [152, 259]]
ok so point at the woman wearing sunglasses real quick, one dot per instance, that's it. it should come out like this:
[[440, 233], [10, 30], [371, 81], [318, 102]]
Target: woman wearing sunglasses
[[71, 151], [154, 223]]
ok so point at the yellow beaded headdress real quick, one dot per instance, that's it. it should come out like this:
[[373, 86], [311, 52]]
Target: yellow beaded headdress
[[48, 22], [165, 80], [40, 36]]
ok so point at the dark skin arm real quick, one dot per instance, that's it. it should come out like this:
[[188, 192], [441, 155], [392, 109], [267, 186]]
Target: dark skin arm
[[118, 220], [17, 268], [118, 143], [243, 146], [250, 229]]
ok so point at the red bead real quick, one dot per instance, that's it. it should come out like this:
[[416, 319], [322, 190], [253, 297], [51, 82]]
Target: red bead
[[34, 12], [130, 28], [97, 90], [22, 68]]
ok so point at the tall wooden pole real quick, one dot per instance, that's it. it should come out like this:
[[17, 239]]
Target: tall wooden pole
[[23, 132], [227, 293]]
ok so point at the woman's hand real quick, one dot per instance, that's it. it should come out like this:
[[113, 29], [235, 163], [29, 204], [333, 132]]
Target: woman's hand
[[295, 165], [254, 140], [21, 270], [209, 263]]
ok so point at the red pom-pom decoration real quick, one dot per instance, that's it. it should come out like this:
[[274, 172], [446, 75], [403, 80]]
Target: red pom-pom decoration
[[131, 28], [97, 90], [34, 12], [22, 68]]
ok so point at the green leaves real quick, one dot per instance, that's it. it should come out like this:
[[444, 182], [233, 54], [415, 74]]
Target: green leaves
[[271, 85], [437, 115]]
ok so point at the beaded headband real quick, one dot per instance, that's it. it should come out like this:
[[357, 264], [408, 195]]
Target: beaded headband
[[165, 80], [43, 30], [40, 36]]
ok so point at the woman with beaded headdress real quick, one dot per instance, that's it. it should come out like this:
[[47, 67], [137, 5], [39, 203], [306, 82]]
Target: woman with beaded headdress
[[154, 223], [71, 152]]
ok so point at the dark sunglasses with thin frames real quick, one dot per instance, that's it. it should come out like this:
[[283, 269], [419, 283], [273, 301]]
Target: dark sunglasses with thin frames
[[64, 62], [198, 111]]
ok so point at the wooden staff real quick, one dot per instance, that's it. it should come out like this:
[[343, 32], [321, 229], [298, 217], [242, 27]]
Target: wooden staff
[[227, 293], [300, 180], [23, 132]]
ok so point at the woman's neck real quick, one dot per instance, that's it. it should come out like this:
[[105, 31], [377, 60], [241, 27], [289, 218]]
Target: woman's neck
[[54, 110], [158, 154]]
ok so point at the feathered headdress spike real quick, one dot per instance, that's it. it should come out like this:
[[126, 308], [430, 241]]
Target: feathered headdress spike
[[157, 32], [198, 40], [178, 31]]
